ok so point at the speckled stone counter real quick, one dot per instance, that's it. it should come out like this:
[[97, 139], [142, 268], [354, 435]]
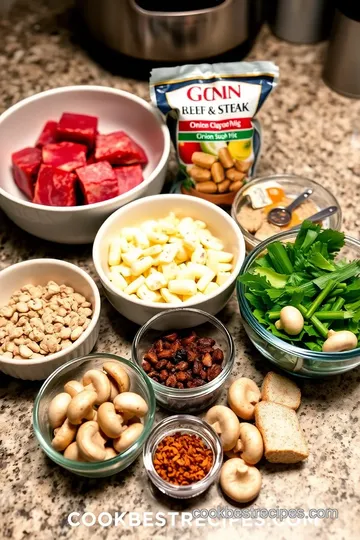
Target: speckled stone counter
[[307, 130]]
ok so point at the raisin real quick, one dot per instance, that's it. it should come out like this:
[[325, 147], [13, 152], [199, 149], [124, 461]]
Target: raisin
[[158, 346], [213, 372], [165, 353], [146, 366], [207, 360], [182, 366], [170, 337], [182, 376], [151, 356], [179, 385], [203, 374], [169, 365], [195, 382], [180, 355], [164, 374], [152, 374], [160, 365], [192, 356], [205, 342], [204, 350], [171, 381], [218, 356], [197, 367]]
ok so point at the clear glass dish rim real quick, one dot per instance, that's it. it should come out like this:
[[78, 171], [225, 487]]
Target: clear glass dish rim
[[267, 336], [98, 465], [250, 238], [171, 423], [186, 392]]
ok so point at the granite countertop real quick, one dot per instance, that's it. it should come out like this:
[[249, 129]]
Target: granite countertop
[[308, 130]]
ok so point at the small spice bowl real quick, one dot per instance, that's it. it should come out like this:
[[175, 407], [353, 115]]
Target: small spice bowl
[[189, 400], [185, 424]]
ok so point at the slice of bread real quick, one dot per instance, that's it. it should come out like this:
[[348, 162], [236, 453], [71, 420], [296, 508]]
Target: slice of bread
[[283, 437], [280, 390]]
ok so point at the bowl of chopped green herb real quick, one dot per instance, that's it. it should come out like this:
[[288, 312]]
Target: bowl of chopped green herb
[[316, 271]]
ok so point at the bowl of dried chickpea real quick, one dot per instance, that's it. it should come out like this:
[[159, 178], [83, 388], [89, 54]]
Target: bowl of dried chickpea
[[49, 314], [168, 251]]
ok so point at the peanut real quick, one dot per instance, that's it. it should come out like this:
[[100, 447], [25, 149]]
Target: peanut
[[225, 158], [42, 320], [217, 172], [201, 159]]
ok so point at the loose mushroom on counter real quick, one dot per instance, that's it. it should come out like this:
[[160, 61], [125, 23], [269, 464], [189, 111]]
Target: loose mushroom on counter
[[224, 421], [243, 395]]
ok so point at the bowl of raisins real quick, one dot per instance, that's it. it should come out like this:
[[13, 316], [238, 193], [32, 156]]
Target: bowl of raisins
[[187, 368]]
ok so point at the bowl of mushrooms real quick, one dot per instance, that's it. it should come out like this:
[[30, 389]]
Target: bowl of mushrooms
[[49, 314], [93, 415]]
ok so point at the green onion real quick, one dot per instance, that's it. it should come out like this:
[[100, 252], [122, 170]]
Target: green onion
[[319, 299], [319, 326], [350, 270], [334, 315], [338, 304], [280, 258]]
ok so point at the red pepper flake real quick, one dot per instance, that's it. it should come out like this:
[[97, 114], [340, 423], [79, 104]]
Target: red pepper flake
[[172, 463]]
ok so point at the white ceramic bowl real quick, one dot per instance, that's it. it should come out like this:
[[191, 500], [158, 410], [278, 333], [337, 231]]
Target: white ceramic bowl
[[218, 222], [21, 125], [39, 272]]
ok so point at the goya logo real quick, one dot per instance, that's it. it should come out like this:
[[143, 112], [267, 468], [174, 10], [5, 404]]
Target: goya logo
[[213, 93]]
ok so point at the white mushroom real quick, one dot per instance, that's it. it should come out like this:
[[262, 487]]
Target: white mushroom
[[57, 409], [291, 321], [243, 395], [250, 446], [225, 423], [90, 448], [239, 481], [344, 340]]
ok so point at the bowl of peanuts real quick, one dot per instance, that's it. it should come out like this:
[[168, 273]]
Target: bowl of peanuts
[[49, 314], [166, 251]]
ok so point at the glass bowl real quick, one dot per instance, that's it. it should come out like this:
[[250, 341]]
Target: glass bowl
[[295, 360], [75, 369], [292, 185], [183, 423], [188, 399]]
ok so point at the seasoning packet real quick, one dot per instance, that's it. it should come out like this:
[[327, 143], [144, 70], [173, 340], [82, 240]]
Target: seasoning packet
[[210, 110]]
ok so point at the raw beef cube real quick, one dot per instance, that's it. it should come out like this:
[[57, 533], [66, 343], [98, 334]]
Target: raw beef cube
[[67, 156], [77, 128], [128, 177], [119, 149], [98, 182], [26, 164], [48, 134], [55, 187]]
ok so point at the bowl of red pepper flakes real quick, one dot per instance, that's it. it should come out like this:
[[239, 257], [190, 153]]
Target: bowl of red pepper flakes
[[187, 368], [183, 456]]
